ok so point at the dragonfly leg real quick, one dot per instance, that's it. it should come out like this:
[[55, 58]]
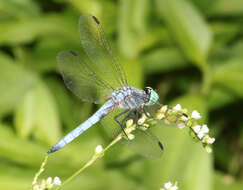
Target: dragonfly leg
[[137, 113], [120, 123], [146, 112], [136, 117], [125, 118]]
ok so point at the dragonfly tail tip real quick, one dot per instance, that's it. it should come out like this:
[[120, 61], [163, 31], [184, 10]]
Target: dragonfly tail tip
[[53, 149]]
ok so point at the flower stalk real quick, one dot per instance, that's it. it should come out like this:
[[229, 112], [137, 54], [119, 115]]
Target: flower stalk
[[99, 152], [42, 168]]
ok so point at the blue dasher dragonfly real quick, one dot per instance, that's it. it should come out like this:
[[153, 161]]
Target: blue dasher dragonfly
[[103, 79]]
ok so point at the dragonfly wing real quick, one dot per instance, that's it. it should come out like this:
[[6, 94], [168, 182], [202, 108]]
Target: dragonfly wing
[[144, 143], [96, 47], [80, 78]]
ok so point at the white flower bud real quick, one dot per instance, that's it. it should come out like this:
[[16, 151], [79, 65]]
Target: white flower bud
[[43, 184], [196, 115], [200, 135], [36, 187], [174, 188], [196, 128], [208, 149], [129, 123], [49, 180], [160, 116], [204, 129], [163, 109], [177, 107], [210, 140], [98, 149], [168, 185], [57, 181], [141, 120], [130, 136], [181, 125]]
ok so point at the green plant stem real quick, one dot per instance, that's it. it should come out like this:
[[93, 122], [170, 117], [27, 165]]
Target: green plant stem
[[42, 168], [91, 161]]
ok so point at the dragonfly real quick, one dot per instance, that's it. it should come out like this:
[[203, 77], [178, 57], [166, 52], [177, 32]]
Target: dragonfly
[[102, 79]]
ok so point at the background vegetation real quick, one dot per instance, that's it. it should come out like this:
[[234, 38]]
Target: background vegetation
[[189, 50]]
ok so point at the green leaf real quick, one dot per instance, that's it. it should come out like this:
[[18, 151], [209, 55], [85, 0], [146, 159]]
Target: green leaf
[[225, 32], [31, 154], [25, 115], [19, 175], [27, 30], [66, 105], [15, 81], [204, 5], [38, 114], [20, 9], [43, 57], [229, 75], [132, 26], [188, 28], [219, 97], [47, 121], [134, 78], [117, 180], [19, 150], [226, 182], [237, 49], [226, 8], [163, 60], [140, 15], [199, 167], [91, 6]]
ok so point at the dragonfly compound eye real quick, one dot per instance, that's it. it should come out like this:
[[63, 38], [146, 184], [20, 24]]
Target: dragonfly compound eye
[[148, 90], [153, 96]]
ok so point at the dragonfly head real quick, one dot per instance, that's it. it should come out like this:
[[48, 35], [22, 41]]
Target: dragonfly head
[[153, 96]]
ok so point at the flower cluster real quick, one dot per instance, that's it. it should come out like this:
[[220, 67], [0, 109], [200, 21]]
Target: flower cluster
[[202, 134], [130, 127], [47, 184], [170, 186], [177, 115]]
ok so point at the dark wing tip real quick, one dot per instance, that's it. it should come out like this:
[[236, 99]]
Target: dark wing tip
[[73, 53], [96, 20], [160, 145]]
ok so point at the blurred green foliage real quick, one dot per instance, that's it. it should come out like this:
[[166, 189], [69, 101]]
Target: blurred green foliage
[[189, 50]]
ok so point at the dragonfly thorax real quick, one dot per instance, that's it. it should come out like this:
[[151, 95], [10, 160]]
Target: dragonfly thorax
[[129, 97]]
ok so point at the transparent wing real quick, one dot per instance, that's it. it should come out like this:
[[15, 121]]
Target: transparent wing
[[80, 78], [144, 143], [99, 52]]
